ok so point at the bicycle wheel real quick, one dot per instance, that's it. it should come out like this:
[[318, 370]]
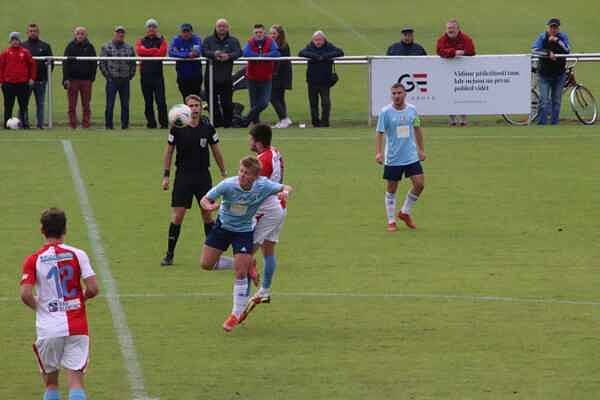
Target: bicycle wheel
[[584, 105], [525, 119]]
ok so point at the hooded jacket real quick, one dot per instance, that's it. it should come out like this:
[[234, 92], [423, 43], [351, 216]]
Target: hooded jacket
[[260, 71], [446, 47], [151, 46], [229, 45], [16, 65], [182, 48]]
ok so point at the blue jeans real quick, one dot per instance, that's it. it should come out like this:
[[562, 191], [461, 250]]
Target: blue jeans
[[114, 86], [260, 95], [550, 98], [39, 91]]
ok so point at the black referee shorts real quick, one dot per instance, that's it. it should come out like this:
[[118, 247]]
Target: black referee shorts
[[190, 185]]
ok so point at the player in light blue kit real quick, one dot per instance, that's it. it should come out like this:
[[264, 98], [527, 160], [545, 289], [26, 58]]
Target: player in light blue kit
[[242, 195], [400, 124]]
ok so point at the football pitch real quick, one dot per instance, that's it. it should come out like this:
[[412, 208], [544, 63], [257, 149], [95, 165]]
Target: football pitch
[[494, 296]]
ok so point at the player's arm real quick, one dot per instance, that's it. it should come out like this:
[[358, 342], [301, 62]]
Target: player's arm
[[208, 204], [91, 288], [27, 296], [168, 157], [209, 201], [379, 147], [216, 150], [419, 142]]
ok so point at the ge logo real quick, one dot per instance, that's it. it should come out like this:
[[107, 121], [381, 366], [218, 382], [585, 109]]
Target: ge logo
[[413, 81]]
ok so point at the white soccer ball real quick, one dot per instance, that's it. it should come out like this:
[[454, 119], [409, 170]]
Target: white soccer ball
[[13, 123], [180, 115]]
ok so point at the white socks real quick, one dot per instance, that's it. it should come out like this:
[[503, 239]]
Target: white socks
[[408, 202], [223, 263], [390, 206], [240, 296]]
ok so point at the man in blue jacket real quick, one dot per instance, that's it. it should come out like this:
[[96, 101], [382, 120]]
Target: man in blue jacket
[[406, 46], [189, 73], [552, 70]]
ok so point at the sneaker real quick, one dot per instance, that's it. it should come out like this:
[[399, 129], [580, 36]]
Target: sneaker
[[277, 125], [262, 296], [407, 219], [230, 323], [285, 123], [392, 227], [253, 273], [167, 261]]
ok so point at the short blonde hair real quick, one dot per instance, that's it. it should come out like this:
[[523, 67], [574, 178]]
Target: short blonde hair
[[251, 163], [319, 33]]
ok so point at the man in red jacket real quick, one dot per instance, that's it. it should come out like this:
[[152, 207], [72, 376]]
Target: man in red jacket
[[455, 43], [17, 73]]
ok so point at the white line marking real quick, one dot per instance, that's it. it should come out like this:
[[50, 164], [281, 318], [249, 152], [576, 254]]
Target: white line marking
[[136, 379]]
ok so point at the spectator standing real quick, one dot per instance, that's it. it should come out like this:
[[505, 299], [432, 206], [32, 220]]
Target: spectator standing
[[189, 73], [259, 74], [455, 43], [552, 70], [282, 77], [118, 74], [78, 76], [319, 76], [406, 46], [38, 48], [17, 74], [222, 49]]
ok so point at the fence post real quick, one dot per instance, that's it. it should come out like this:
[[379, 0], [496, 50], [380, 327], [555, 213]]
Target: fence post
[[49, 64], [369, 87], [211, 91]]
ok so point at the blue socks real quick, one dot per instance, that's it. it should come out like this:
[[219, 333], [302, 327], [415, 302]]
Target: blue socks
[[76, 394], [270, 265], [51, 394]]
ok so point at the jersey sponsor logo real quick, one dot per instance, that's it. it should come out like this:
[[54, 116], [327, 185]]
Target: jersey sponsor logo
[[60, 305], [50, 258]]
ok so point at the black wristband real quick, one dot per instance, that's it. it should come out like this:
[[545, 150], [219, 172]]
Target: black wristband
[[166, 173]]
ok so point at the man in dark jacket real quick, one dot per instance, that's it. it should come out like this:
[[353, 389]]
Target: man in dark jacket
[[118, 73], [552, 71], [79, 75], [38, 48], [151, 73], [189, 73], [222, 49], [406, 46], [320, 53]]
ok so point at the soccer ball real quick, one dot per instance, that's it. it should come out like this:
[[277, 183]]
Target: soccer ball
[[180, 115], [13, 123]]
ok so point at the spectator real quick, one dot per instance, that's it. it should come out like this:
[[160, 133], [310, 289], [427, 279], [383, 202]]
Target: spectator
[[552, 71], [189, 73], [222, 49], [79, 75], [319, 76], [118, 73], [406, 46], [282, 78], [455, 43], [259, 74], [38, 48], [151, 73], [17, 74]]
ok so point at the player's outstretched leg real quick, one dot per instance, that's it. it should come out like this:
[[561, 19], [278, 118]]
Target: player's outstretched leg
[[390, 204], [240, 290], [411, 197]]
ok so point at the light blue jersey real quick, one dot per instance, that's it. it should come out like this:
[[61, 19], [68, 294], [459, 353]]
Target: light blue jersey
[[239, 206], [398, 126]]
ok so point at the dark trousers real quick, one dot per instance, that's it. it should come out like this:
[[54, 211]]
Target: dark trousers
[[222, 103], [278, 102], [114, 86], [260, 95], [189, 86], [313, 98], [12, 91], [153, 89], [39, 91], [84, 88]]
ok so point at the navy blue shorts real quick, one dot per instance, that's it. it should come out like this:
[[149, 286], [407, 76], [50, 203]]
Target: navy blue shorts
[[395, 172], [220, 238]]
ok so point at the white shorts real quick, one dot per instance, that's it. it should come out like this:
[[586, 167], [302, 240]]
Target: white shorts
[[70, 352], [268, 227]]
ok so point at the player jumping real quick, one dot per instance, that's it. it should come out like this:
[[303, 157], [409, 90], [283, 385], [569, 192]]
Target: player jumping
[[401, 126]]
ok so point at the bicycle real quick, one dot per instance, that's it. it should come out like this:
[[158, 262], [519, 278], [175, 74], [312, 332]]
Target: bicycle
[[582, 101]]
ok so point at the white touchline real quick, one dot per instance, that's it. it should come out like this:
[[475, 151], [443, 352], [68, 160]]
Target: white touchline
[[109, 286]]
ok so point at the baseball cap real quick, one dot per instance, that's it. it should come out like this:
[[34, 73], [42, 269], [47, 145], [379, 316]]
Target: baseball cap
[[186, 27], [14, 35], [407, 29], [120, 28], [553, 21], [151, 22]]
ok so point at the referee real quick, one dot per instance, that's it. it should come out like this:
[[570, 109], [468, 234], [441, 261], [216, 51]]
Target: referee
[[192, 177]]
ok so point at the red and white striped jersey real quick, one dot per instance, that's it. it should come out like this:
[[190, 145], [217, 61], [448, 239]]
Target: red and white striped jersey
[[56, 271], [271, 164]]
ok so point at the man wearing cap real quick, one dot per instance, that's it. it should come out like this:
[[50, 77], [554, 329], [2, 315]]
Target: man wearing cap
[[189, 73], [151, 74], [78, 76], [552, 70], [38, 48], [118, 73], [406, 46], [17, 74]]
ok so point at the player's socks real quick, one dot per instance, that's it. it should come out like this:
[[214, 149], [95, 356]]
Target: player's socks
[[77, 394], [173, 236], [208, 227], [51, 394], [410, 199], [390, 206], [224, 263], [240, 296], [270, 265]]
